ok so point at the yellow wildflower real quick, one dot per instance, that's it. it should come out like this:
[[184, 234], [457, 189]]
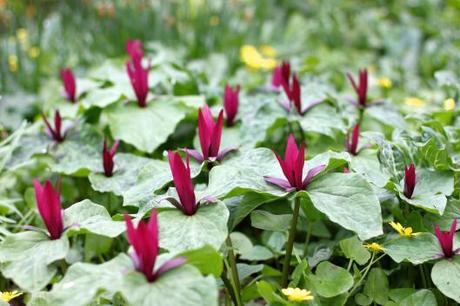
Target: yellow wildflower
[[297, 294], [374, 247], [34, 52], [449, 104], [214, 20], [254, 59], [402, 231], [9, 295], [414, 101], [268, 51], [385, 83], [13, 62], [21, 34]]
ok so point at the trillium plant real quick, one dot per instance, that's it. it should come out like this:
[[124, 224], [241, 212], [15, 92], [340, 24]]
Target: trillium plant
[[138, 75], [107, 157], [56, 131], [446, 240], [410, 179], [49, 206], [231, 102], [70, 85]]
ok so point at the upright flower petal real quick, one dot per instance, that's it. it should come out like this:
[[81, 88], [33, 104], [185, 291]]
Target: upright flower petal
[[296, 95], [183, 182], [49, 207], [231, 101], [352, 142], [107, 157], [54, 132], [216, 136], [361, 87], [135, 49], [410, 179], [210, 133], [139, 78], [70, 86], [281, 74], [446, 239]]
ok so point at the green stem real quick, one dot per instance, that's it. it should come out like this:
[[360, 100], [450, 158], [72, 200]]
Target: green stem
[[234, 272], [307, 239], [230, 288], [350, 263], [366, 270], [422, 274], [290, 243]]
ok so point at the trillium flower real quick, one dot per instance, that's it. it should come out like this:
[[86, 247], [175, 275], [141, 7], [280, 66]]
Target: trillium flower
[[135, 50], [446, 240], [352, 141], [107, 157], [231, 101], [294, 95], [145, 242], [292, 166], [281, 74], [49, 207], [56, 132], [184, 186], [139, 77], [409, 180], [70, 86], [210, 133], [361, 87]]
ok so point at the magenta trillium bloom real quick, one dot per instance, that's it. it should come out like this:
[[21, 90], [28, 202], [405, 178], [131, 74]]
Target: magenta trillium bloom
[[56, 132], [210, 133], [231, 102], [70, 86], [49, 207], [107, 157], [139, 77], [410, 179], [294, 95], [352, 141], [135, 50], [361, 87], [281, 74], [183, 183], [145, 241], [446, 240], [292, 166]]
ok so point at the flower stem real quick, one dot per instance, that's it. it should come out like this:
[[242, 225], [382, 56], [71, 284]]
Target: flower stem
[[234, 272], [307, 239], [290, 243]]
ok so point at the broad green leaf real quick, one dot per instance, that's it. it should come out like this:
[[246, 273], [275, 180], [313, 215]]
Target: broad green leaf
[[180, 232], [417, 250], [83, 282], [354, 249], [267, 221], [431, 190], [146, 128], [27, 258], [86, 216], [102, 97], [245, 270], [349, 200], [257, 253], [376, 286], [451, 212], [181, 286], [330, 280], [422, 297], [387, 115], [446, 276], [206, 259], [323, 119], [369, 167]]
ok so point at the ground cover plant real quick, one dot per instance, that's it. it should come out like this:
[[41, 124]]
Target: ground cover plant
[[161, 176]]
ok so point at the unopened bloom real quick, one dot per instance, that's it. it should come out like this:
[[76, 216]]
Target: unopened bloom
[[7, 296], [135, 50], [449, 104], [231, 101], [297, 294], [361, 87], [139, 77], [446, 240], [292, 166], [280, 74], [409, 181], [49, 207], [55, 132], [145, 242], [374, 247], [352, 141], [293, 93], [70, 85], [107, 157], [210, 133], [183, 183], [402, 231]]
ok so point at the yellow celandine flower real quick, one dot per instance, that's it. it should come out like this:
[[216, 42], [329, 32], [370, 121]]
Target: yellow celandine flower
[[34, 52], [214, 20], [402, 231], [414, 101], [449, 104], [385, 82], [9, 295], [21, 34], [254, 59], [374, 246], [297, 294], [268, 51], [13, 62]]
